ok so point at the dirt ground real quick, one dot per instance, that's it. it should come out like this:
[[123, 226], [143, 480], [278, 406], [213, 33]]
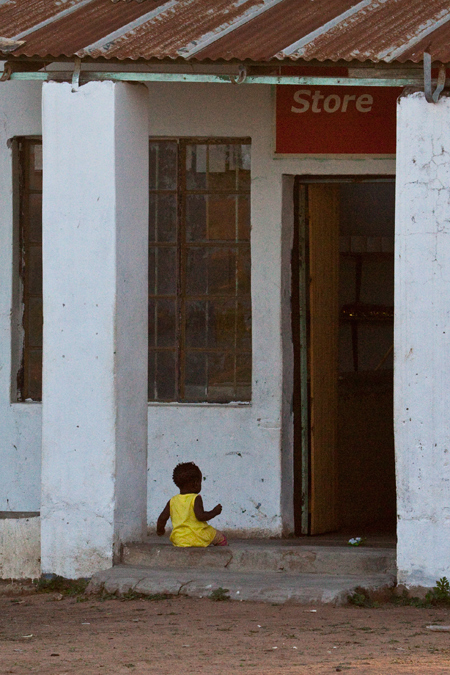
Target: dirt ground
[[54, 635]]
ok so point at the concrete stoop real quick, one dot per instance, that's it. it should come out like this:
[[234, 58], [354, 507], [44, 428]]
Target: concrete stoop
[[257, 556], [276, 587], [255, 571]]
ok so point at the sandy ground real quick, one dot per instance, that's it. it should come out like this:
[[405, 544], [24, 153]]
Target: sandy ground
[[55, 635]]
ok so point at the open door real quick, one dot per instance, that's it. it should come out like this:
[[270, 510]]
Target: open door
[[323, 217], [342, 328]]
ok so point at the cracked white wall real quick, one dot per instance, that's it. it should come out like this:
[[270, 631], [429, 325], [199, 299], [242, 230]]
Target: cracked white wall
[[422, 340], [243, 451]]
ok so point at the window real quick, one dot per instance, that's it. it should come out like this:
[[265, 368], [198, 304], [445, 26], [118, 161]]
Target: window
[[199, 271], [29, 379]]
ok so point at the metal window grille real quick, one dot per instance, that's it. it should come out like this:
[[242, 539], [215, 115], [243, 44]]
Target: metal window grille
[[199, 270], [29, 378]]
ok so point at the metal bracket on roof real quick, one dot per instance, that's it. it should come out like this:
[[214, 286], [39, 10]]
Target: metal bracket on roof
[[242, 76], [76, 74], [433, 97], [7, 71]]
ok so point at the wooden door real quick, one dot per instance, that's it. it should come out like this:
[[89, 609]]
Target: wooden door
[[323, 211]]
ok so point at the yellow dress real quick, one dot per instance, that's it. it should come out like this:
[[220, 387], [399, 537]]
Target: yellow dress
[[187, 530]]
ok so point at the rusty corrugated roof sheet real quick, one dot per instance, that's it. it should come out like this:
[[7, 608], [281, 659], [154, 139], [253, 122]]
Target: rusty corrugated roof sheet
[[254, 30]]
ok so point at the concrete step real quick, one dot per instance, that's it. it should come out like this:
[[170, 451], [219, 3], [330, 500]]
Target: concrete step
[[273, 587], [250, 556]]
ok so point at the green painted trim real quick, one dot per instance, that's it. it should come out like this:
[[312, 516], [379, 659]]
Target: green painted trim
[[90, 76]]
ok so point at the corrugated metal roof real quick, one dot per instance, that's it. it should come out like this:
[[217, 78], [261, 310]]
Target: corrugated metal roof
[[255, 30]]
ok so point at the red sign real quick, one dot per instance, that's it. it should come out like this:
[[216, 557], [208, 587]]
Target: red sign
[[316, 120]]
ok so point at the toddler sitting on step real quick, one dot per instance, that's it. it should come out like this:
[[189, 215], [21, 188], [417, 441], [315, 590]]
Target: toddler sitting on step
[[189, 519]]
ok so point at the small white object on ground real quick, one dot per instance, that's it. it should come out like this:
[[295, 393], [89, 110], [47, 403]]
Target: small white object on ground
[[437, 628], [355, 541]]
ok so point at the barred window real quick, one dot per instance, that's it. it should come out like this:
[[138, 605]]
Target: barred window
[[199, 271], [29, 379]]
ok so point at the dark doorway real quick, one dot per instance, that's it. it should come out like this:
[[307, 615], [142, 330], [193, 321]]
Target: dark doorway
[[342, 311]]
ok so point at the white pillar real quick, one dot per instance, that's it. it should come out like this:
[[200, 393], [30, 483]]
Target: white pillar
[[422, 340], [95, 243]]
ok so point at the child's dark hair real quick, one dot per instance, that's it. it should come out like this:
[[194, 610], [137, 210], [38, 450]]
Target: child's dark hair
[[185, 473]]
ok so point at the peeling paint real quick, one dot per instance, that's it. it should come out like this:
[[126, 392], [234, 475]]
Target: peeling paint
[[422, 296]]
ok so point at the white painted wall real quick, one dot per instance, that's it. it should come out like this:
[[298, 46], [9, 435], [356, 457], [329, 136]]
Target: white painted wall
[[95, 281], [241, 449], [253, 486], [422, 340], [20, 423]]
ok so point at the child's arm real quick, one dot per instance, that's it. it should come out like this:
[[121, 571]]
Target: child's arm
[[162, 520], [203, 515]]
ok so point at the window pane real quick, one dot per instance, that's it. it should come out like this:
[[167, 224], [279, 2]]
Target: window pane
[[221, 377], [152, 216], [243, 393], [34, 273], [165, 375], [35, 322], [221, 369], [196, 160], [244, 325], [244, 369], [34, 374], [35, 218], [162, 218], [244, 167], [221, 323], [152, 393], [222, 271], [163, 165], [166, 265], [166, 323], [35, 168], [195, 378], [243, 271], [196, 271], [244, 218], [222, 217], [196, 323], [196, 218], [152, 271], [166, 223], [151, 323], [222, 167]]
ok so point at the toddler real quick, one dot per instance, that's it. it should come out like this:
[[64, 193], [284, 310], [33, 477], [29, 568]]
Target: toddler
[[186, 511]]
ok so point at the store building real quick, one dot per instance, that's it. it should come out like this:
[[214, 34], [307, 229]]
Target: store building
[[225, 239]]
